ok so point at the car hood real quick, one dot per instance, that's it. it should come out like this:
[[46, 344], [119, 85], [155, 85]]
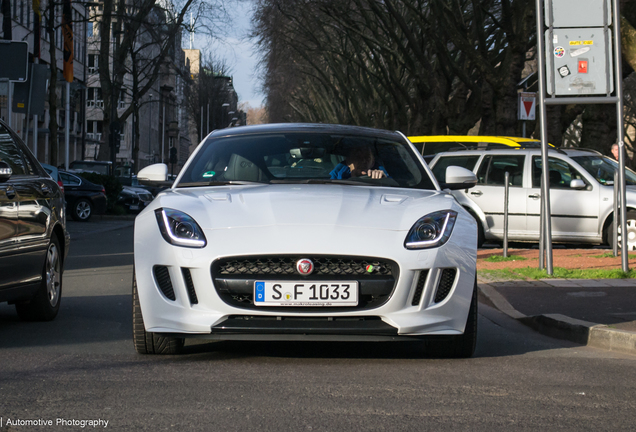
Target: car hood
[[308, 205]]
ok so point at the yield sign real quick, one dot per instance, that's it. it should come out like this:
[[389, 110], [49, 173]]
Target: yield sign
[[527, 106]]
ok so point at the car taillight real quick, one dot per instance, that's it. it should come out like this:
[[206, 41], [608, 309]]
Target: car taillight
[[104, 191], [61, 185]]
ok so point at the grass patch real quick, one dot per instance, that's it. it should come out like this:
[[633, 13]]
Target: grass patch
[[499, 258], [611, 255], [559, 273]]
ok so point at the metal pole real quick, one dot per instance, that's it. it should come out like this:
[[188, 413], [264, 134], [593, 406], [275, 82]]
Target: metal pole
[[616, 215], [10, 102], [545, 192], [26, 132], [35, 136], [67, 126], [208, 117], [201, 123], [620, 134], [506, 195], [163, 133]]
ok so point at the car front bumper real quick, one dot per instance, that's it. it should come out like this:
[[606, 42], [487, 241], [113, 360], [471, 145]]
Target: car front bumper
[[211, 317]]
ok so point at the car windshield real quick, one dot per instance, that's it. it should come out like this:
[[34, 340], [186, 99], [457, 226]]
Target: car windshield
[[306, 158], [602, 169]]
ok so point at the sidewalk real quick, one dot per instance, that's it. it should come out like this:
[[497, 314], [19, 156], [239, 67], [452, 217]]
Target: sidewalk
[[595, 312]]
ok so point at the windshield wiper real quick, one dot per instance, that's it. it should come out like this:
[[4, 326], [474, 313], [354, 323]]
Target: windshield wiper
[[317, 181], [220, 183]]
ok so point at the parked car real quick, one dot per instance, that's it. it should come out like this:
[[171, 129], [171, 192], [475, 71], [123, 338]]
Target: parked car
[[99, 167], [430, 145], [83, 198], [54, 173], [134, 199], [265, 236], [33, 238], [581, 193]]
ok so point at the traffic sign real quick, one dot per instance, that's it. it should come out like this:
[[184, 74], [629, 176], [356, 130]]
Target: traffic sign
[[527, 106]]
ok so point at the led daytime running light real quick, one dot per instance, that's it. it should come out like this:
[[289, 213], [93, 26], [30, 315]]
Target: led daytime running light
[[449, 218], [169, 235]]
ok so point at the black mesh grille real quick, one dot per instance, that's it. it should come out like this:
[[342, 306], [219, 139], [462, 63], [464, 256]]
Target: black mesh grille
[[234, 278], [419, 288], [192, 294], [331, 266], [162, 277], [446, 281]]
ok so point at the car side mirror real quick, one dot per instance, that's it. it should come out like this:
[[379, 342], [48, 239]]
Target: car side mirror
[[5, 171], [154, 175], [459, 178], [577, 184]]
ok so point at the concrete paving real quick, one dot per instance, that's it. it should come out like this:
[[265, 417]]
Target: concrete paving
[[595, 312]]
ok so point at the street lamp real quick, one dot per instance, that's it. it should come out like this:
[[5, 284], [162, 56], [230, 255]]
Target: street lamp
[[223, 107]]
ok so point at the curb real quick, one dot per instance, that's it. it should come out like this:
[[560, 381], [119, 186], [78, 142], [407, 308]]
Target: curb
[[563, 327]]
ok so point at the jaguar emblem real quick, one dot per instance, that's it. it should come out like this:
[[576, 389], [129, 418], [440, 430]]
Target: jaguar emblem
[[305, 266]]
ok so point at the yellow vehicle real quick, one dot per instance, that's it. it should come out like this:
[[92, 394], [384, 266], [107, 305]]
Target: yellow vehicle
[[429, 146]]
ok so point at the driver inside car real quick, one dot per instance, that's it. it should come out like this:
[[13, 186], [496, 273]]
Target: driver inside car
[[360, 162]]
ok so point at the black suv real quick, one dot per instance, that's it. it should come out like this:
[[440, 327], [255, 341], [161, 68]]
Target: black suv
[[33, 237]]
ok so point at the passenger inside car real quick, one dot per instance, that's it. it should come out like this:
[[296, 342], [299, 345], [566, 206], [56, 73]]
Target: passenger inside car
[[359, 162]]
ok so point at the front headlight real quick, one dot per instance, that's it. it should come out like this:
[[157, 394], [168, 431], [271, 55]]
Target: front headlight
[[179, 229], [431, 231]]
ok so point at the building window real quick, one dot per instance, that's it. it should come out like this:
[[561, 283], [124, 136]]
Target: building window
[[94, 97], [93, 63], [94, 130]]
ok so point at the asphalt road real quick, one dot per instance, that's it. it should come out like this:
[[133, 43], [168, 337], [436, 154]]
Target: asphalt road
[[82, 366]]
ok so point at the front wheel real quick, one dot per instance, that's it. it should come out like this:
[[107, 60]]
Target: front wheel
[[463, 346], [631, 232], [147, 342], [82, 210], [46, 302]]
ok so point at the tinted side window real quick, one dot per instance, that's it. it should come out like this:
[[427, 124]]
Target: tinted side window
[[10, 153], [69, 180], [493, 170], [560, 172], [439, 170]]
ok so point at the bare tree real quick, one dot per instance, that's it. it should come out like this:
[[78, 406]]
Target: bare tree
[[138, 38]]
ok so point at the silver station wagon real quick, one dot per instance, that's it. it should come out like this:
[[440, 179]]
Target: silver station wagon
[[581, 193]]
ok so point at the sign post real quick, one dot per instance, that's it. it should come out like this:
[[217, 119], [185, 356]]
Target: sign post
[[579, 62]]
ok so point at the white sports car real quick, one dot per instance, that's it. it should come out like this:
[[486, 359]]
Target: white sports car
[[305, 232]]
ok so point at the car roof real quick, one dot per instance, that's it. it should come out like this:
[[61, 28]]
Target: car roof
[[306, 128], [572, 152], [510, 141]]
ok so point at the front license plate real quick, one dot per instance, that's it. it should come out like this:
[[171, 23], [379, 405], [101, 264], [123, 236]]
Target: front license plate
[[317, 293], [134, 207]]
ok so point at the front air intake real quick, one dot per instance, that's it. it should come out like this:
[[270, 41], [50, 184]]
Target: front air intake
[[419, 288], [162, 276], [187, 278], [446, 282]]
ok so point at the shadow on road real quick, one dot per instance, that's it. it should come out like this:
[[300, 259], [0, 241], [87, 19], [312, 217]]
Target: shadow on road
[[81, 320]]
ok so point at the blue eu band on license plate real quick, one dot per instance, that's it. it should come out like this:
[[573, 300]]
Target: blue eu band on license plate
[[306, 293]]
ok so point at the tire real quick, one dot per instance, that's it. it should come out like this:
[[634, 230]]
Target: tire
[[82, 210], [481, 237], [464, 346], [631, 232], [147, 342], [45, 305]]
